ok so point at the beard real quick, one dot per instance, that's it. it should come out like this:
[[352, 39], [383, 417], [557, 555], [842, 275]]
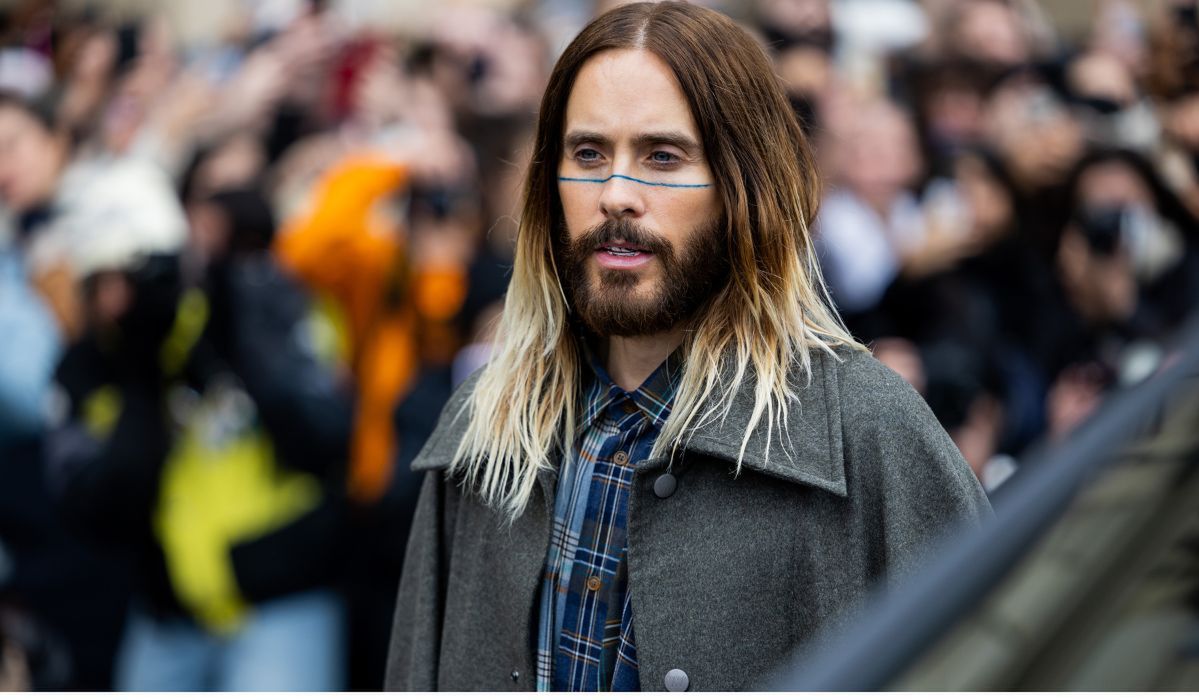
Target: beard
[[608, 304]]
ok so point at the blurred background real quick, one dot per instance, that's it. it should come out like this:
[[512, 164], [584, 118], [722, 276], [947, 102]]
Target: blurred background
[[247, 249]]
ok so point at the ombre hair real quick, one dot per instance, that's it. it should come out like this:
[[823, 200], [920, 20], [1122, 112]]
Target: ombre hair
[[769, 316]]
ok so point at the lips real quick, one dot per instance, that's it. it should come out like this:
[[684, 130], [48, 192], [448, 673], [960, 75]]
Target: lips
[[622, 252], [622, 255], [622, 249]]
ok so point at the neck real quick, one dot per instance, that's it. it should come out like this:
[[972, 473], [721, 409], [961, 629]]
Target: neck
[[630, 361]]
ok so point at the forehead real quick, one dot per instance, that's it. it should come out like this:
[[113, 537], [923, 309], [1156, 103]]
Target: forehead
[[628, 91], [1113, 181]]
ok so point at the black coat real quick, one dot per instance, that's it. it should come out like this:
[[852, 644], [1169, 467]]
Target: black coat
[[108, 485]]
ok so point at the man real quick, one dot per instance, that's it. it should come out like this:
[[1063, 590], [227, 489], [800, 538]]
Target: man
[[678, 466]]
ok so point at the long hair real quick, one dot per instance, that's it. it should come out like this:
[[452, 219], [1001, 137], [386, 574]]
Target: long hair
[[771, 313]]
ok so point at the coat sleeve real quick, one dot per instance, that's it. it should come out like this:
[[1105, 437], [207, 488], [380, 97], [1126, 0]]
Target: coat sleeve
[[917, 490], [303, 406], [105, 478], [413, 658]]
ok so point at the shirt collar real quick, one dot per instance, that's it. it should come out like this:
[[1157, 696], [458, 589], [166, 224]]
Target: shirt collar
[[654, 398]]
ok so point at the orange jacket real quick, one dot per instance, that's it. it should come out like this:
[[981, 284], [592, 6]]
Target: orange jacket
[[344, 247]]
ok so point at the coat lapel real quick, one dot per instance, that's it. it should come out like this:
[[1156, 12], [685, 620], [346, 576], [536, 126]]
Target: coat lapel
[[807, 451]]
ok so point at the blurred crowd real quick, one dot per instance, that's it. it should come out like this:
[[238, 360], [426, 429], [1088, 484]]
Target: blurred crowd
[[240, 276]]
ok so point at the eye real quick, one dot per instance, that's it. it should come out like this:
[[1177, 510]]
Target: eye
[[664, 158], [587, 156]]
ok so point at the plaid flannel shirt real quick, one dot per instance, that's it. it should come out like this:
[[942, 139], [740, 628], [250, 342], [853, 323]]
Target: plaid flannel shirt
[[585, 632]]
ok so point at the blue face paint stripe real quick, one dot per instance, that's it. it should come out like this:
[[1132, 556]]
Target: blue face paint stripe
[[600, 181]]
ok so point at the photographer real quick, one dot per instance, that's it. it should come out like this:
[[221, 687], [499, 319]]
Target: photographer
[[71, 215], [204, 433], [1126, 266]]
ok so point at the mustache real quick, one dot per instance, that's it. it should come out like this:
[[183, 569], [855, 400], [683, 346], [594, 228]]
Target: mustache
[[611, 231]]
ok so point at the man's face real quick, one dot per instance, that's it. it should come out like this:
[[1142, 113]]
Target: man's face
[[30, 160], [644, 240]]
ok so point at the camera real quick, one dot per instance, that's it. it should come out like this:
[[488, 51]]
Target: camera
[[1103, 227]]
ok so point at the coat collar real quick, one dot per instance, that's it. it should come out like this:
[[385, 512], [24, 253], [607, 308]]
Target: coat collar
[[808, 452]]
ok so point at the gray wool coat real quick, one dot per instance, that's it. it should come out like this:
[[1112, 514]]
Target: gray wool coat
[[729, 574]]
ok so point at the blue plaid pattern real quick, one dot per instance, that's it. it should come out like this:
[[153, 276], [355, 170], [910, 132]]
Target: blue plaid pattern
[[585, 633]]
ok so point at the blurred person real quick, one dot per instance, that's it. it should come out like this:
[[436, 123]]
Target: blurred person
[[273, 89], [801, 37], [347, 245], [202, 433], [1120, 31], [1173, 81], [33, 656], [386, 236], [989, 33], [32, 156], [74, 217], [247, 94], [78, 214], [14, 670], [26, 66], [1174, 49], [786, 23], [236, 162], [484, 62], [1110, 103], [1037, 137], [870, 219], [976, 292], [141, 75], [88, 57], [1152, 228], [1180, 157], [1127, 266], [949, 106], [965, 390], [582, 495], [1161, 231], [1039, 142]]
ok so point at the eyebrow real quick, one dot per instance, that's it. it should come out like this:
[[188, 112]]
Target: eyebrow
[[671, 138]]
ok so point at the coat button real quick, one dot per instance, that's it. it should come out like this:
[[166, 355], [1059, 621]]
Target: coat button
[[516, 676], [677, 680], [664, 486]]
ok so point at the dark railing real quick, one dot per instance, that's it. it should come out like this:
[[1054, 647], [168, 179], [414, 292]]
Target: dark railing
[[899, 627]]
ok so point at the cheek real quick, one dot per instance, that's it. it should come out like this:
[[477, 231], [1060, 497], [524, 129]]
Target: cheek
[[685, 212], [580, 208]]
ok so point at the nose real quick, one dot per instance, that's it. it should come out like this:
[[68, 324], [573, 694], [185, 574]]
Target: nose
[[622, 198]]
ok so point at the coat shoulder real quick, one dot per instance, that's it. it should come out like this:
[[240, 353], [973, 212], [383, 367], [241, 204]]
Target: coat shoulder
[[872, 394], [896, 445]]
